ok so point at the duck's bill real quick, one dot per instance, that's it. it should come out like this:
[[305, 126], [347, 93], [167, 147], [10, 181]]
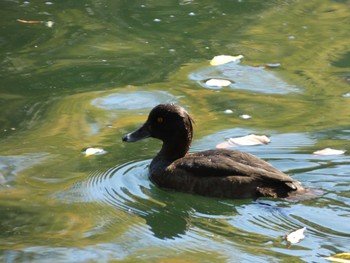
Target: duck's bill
[[137, 135]]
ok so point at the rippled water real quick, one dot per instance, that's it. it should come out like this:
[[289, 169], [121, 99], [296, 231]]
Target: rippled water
[[254, 229], [93, 73]]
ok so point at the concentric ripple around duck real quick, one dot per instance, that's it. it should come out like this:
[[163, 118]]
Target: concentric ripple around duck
[[125, 187]]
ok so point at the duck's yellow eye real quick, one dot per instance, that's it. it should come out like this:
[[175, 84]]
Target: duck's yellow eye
[[159, 119]]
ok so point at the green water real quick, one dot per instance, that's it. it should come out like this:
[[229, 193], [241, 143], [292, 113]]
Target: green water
[[93, 75]]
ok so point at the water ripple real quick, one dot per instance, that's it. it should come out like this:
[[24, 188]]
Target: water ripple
[[184, 222], [125, 187]]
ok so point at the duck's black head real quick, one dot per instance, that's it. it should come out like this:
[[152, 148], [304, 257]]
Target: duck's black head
[[169, 123]]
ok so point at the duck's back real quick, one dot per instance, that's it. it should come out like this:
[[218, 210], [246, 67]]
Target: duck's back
[[223, 173]]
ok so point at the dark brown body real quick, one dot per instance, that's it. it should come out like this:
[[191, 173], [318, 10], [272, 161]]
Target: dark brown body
[[225, 174], [215, 173]]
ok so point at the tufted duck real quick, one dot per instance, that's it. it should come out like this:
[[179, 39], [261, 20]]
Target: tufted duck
[[216, 173]]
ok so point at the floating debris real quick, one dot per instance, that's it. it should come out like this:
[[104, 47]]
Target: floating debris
[[93, 151], [29, 21], [228, 111], [245, 116], [296, 236], [218, 82], [329, 151], [341, 257], [273, 65], [223, 59], [248, 140], [47, 23]]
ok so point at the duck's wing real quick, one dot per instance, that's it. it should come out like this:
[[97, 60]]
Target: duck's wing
[[222, 163]]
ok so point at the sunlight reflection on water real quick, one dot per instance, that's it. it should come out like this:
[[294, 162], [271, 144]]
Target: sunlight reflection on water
[[133, 100], [245, 77], [11, 166]]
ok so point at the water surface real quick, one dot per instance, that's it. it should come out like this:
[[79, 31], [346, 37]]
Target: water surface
[[93, 73]]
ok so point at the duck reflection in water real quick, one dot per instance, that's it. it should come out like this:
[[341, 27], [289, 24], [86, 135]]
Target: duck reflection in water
[[216, 173]]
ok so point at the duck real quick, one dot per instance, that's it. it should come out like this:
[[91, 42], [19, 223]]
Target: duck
[[220, 173]]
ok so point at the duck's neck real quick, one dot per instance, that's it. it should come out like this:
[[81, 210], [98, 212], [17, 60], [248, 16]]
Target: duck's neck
[[174, 150]]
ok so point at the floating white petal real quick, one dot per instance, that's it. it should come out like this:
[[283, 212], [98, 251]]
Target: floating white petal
[[329, 151], [223, 59], [94, 151], [49, 23], [296, 236], [273, 65], [218, 82], [248, 140], [245, 116]]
